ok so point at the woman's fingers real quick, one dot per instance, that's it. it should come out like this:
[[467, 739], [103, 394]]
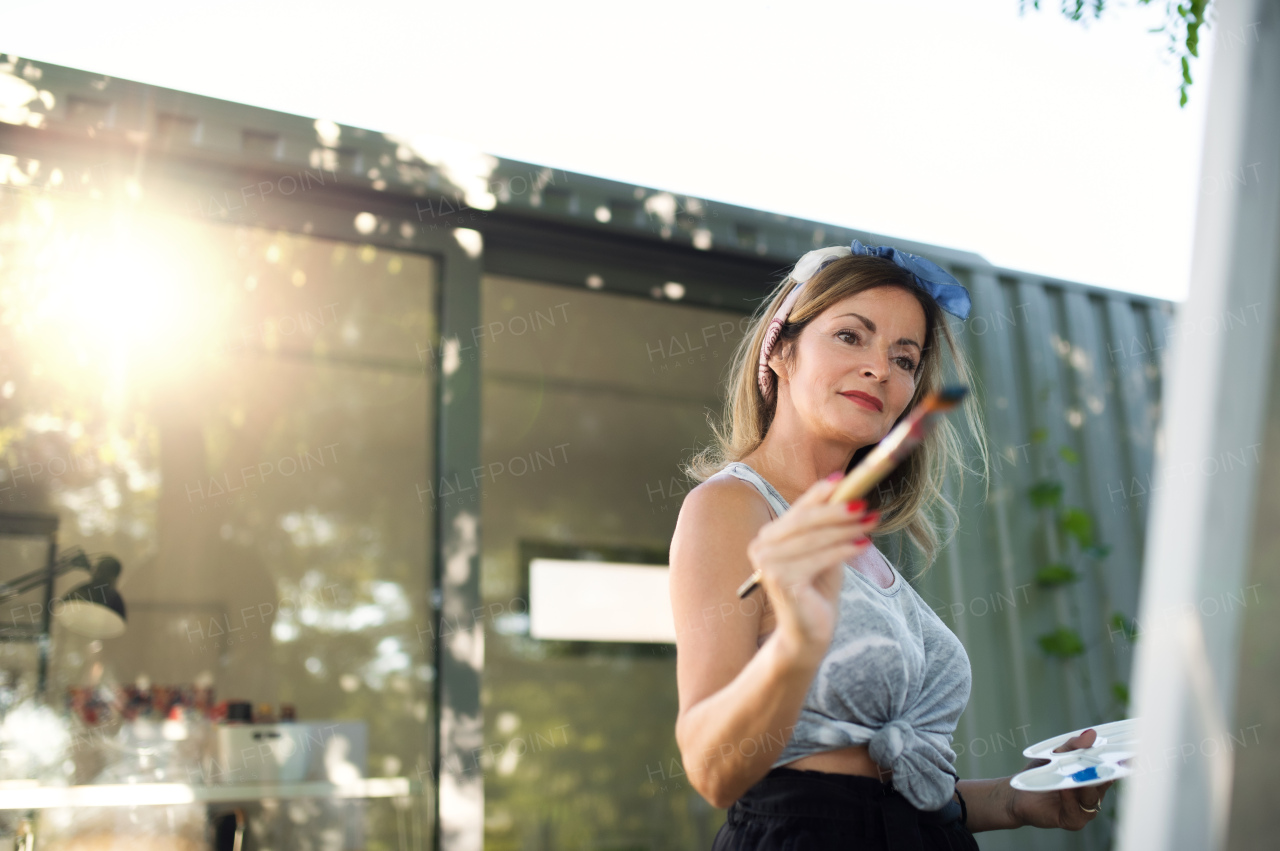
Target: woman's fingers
[[821, 536], [825, 557], [798, 522], [1084, 740], [804, 548], [1088, 796], [805, 557], [796, 558], [810, 569]]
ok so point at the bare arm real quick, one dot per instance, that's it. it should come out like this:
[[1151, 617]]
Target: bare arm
[[739, 705], [989, 804]]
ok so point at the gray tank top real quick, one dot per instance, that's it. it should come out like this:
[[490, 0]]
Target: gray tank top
[[894, 678]]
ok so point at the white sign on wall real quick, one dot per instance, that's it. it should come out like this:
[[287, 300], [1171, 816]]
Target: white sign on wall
[[572, 600]]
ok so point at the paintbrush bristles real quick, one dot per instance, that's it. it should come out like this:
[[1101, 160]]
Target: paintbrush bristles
[[942, 401]]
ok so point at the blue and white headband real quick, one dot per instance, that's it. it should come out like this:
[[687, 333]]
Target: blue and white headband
[[950, 295]]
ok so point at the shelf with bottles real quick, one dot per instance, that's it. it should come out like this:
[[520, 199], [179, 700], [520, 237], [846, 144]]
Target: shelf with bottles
[[145, 745]]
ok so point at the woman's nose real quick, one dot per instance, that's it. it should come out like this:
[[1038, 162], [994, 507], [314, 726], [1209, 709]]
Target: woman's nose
[[876, 363]]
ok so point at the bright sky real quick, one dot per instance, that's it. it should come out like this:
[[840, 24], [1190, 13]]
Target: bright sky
[[1043, 145]]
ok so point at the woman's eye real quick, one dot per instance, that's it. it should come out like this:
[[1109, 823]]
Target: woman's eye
[[907, 363]]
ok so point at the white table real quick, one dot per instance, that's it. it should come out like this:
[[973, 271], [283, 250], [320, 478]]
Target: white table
[[29, 795]]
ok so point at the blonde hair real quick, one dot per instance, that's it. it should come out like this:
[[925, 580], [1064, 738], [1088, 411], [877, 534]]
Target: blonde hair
[[911, 495]]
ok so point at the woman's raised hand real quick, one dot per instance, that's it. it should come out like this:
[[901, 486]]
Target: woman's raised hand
[[800, 555]]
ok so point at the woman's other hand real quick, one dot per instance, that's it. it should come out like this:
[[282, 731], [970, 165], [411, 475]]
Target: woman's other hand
[[1064, 808], [800, 556]]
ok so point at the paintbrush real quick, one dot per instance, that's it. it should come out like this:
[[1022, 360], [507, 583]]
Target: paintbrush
[[889, 453]]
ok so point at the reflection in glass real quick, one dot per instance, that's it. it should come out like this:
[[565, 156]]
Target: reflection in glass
[[242, 417], [590, 401]]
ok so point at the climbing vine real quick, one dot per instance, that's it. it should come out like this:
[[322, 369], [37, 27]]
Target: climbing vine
[[1073, 524]]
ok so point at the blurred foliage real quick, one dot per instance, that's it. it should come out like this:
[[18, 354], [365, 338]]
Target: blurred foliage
[[1183, 22], [1045, 494], [1124, 625], [1056, 574], [1063, 642], [1076, 523]]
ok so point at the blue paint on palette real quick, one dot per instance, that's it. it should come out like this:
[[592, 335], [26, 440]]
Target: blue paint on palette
[[1090, 773]]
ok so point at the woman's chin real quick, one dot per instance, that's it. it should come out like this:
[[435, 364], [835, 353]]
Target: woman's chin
[[858, 431]]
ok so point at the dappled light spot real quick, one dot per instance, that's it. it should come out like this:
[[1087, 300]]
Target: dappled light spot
[[663, 206], [327, 132], [452, 357], [470, 240]]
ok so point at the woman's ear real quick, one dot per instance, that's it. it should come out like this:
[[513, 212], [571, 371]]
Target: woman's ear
[[777, 360]]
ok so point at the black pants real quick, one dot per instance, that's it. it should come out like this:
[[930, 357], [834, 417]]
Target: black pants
[[792, 810]]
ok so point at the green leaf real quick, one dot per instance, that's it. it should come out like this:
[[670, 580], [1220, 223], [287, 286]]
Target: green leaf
[[1121, 624], [1064, 642], [1069, 455], [1046, 494], [1078, 525], [1056, 574], [1040, 435], [1121, 692]]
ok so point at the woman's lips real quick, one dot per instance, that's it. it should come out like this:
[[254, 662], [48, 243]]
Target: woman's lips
[[865, 400]]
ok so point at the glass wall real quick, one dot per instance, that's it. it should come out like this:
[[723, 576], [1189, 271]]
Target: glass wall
[[242, 417], [590, 401]]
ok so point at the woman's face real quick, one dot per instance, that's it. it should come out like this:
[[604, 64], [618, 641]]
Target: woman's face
[[869, 343]]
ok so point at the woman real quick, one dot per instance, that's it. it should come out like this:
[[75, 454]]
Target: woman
[[820, 712]]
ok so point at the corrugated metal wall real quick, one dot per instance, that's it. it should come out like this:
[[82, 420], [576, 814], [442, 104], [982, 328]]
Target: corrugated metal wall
[[1070, 382]]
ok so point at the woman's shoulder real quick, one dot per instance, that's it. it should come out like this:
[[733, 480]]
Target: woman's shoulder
[[721, 509], [725, 492], [709, 557]]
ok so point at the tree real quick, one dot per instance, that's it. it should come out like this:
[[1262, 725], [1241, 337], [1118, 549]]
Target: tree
[[1182, 22]]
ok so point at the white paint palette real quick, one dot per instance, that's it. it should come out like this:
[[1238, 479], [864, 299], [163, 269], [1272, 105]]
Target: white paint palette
[[1108, 759]]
